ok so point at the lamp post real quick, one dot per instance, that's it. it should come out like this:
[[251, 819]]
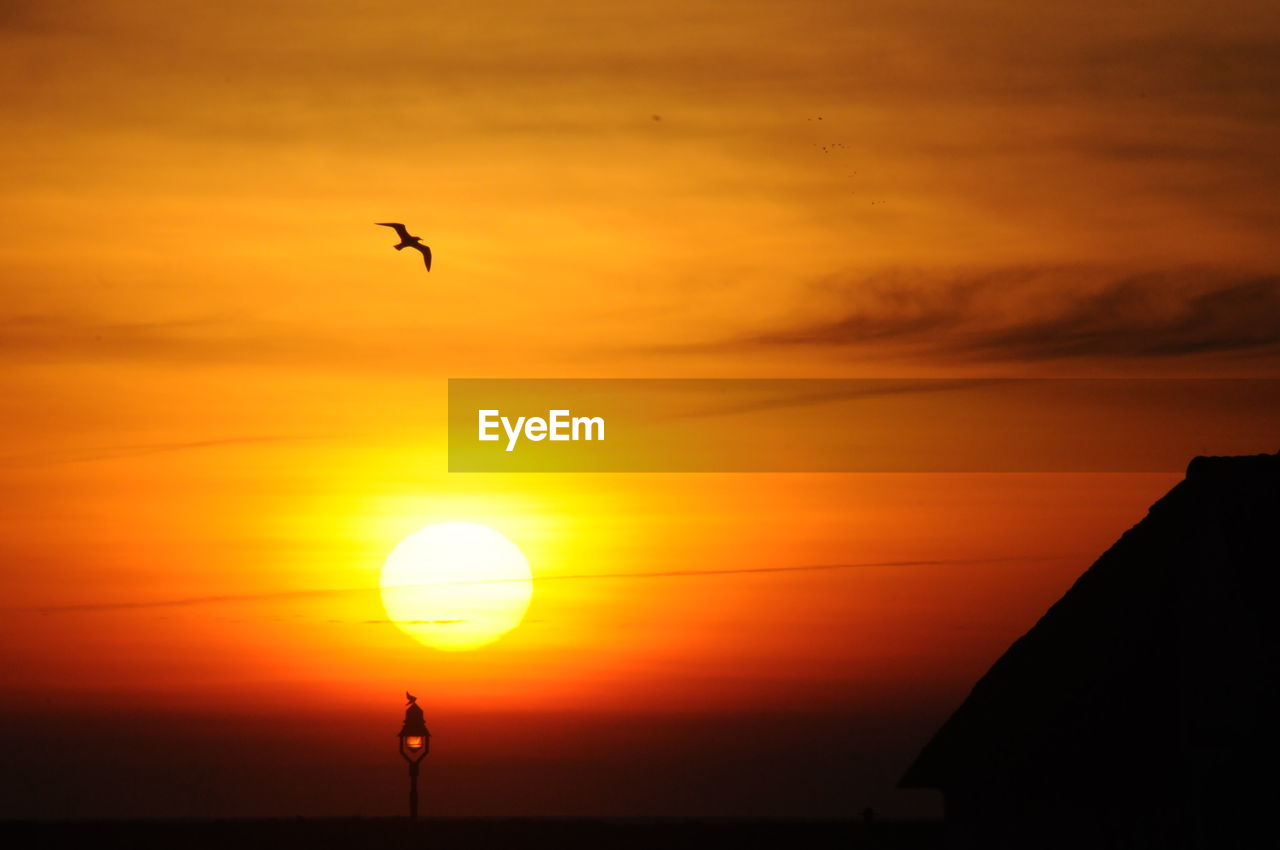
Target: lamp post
[[415, 741]]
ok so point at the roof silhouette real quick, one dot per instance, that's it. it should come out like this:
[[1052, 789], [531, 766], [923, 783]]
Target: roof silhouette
[[1158, 669]]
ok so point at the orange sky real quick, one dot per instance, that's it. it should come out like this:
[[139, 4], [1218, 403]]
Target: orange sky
[[223, 389]]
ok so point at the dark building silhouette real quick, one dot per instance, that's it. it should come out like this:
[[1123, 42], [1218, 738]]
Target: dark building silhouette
[[1142, 710]]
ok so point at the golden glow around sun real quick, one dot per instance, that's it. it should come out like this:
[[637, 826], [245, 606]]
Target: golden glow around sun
[[456, 585]]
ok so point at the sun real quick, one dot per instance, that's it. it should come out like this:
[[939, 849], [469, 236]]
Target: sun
[[456, 586]]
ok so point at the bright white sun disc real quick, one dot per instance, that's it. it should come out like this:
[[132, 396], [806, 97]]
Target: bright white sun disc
[[456, 585]]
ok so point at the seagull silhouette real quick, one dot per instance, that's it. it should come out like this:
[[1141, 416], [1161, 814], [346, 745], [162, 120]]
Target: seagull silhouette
[[408, 241]]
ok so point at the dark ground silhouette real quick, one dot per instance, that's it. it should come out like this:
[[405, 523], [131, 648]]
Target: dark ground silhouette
[[462, 833]]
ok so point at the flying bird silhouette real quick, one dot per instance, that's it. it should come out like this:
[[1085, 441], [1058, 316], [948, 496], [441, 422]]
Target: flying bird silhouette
[[407, 240], [412, 699]]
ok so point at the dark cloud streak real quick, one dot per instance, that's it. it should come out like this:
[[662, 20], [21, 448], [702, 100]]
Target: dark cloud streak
[[1034, 315]]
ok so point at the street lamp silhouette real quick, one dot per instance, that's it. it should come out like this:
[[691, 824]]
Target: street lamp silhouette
[[415, 741]]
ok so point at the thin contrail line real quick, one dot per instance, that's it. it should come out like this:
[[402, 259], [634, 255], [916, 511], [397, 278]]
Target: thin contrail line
[[311, 594]]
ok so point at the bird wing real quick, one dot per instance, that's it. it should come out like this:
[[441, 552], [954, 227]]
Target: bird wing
[[399, 228], [426, 254]]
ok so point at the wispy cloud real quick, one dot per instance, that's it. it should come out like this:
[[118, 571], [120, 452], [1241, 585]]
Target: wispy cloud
[[56, 337], [1043, 314], [807, 393], [410, 622], [95, 453], [655, 574]]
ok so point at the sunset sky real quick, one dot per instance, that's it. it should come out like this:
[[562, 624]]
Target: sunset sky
[[224, 395]]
